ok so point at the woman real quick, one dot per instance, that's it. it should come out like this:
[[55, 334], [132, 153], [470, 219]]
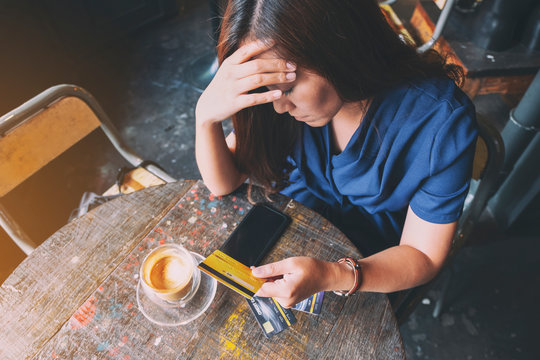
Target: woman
[[331, 108]]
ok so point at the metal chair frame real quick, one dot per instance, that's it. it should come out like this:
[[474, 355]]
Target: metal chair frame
[[35, 105], [439, 27]]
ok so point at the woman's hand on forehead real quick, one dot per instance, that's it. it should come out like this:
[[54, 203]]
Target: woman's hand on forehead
[[252, 66], [258, 58], [249, 50]]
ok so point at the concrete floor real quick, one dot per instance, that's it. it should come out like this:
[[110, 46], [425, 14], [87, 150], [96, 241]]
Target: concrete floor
[[142, 82]]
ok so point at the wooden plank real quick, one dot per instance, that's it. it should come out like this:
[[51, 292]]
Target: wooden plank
[[505, 84], [368, 323], [49, 286], [33, 144], [108, 324], [395, 23]]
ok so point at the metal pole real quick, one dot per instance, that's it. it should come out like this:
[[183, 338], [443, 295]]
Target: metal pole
[[439, 27], [521, 170], [18, 235], [519, 188], [523, 125]]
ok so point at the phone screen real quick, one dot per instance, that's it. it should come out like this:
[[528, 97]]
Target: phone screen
[[255, 235]]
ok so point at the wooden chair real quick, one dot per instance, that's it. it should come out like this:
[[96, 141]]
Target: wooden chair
[[43, 128], [488, 161]]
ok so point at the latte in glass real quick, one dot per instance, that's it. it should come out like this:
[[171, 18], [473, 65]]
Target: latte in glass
[[170, 272]]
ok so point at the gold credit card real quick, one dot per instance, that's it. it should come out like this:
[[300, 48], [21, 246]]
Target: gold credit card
[[231, 273]]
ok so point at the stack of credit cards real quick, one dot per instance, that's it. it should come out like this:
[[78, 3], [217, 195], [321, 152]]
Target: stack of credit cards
[[271, 316]]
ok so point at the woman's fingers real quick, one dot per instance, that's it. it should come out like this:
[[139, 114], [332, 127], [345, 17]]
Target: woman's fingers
[[247, 51], [248, 74], [259, 66], [300, 278], [277, 268], [273, 289], [281, 290], [244, 101], [258, 80]]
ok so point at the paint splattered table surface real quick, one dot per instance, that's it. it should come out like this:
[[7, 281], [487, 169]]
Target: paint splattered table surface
[[75, 296]]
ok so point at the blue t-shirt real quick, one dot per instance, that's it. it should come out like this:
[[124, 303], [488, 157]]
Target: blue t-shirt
[[415, 146]]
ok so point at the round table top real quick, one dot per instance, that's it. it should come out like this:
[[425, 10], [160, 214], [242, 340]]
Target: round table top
[[75, 295]]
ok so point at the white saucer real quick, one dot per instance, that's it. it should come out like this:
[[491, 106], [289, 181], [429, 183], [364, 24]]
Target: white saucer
[[167, 313]]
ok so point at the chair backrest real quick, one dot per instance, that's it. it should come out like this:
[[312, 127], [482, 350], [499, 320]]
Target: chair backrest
[[488, 161], [41, 129], [32, 144]]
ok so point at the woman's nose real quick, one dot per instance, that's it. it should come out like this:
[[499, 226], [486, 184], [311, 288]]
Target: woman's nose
[[282, 105]]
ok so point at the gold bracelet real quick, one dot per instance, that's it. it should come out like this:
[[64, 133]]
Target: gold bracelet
[[357, 269]]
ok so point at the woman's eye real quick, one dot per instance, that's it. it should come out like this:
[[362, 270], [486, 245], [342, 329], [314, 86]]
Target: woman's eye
[[287, 92]]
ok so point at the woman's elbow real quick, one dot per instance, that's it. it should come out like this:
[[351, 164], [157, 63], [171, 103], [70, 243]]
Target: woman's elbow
[[219, 190], [222, 188], [429, 269]]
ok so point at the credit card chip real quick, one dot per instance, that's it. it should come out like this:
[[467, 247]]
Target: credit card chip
[[268, 327]]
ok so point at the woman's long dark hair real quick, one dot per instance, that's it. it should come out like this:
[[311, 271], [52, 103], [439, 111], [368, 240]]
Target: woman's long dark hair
[[348, 42]]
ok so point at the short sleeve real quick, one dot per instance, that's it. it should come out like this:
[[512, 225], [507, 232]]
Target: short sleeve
[[441, 196]]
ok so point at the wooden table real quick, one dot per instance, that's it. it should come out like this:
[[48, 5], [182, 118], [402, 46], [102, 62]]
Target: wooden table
[[75, 296]]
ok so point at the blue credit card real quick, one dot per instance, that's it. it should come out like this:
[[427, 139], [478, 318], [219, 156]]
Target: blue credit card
[[271, 316], [312, 304]]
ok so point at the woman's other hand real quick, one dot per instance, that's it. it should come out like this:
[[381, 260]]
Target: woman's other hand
[[295, 279], [229, 91]]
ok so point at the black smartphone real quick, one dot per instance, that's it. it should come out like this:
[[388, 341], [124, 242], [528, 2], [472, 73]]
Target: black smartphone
[[255, 235]]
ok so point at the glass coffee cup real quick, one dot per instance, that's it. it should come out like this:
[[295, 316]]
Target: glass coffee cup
[[169, 274]]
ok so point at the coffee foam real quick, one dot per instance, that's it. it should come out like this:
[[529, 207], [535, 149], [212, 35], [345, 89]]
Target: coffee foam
[[170, 272]]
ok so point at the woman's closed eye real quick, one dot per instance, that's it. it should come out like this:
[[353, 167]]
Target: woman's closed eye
[[287, 92]]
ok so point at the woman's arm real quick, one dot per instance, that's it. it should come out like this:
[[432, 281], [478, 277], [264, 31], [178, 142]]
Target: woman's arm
[[416, 260], [214, 157], [228, 93]]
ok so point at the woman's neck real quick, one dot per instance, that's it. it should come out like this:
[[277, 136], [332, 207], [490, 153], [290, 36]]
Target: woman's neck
[[345, 123]]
